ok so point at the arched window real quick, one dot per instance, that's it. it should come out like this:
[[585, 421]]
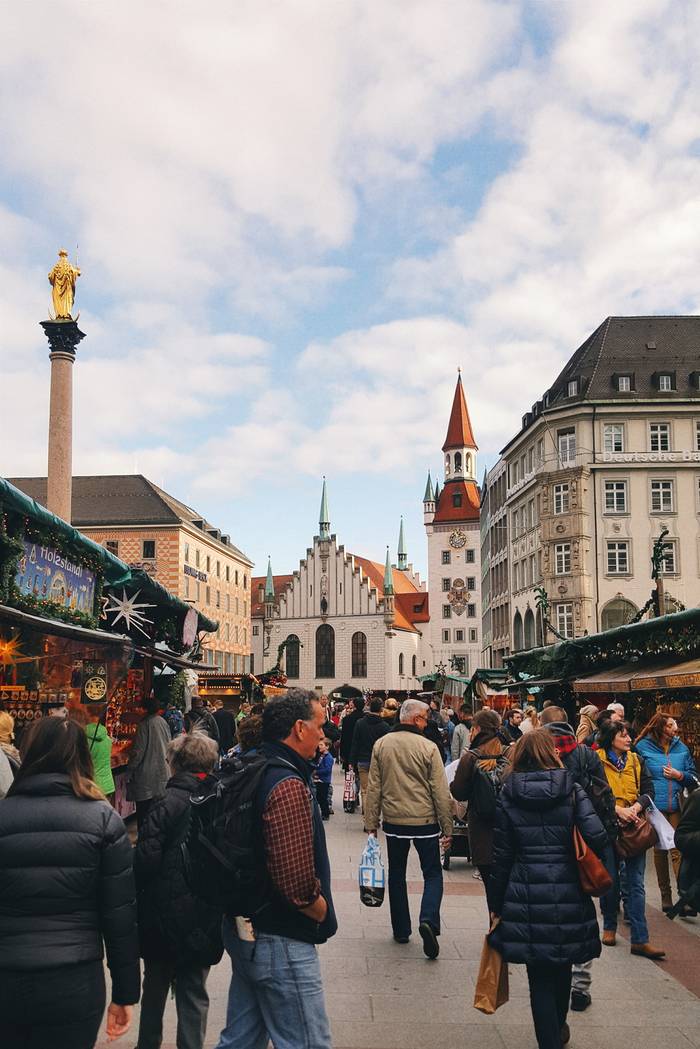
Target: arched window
[[400, 664], [291, 657], [458, 462], [413, 666], [447, 466], [325, 651], [359, 654], [517, 632], [529, 629], [468, 464], [617, 612]]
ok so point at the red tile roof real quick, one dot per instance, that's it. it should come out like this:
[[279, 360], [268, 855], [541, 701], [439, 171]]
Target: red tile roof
[[459, 432], [468, 511], [280, 582]]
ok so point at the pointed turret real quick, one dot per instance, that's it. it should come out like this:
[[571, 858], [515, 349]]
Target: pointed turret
[[429, 495], [460, 448], [324, 523], [437, 493], [389, 608], [403, 553], [269, 583]]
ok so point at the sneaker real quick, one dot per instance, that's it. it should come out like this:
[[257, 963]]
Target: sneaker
[[402, 939], [565, 1034], [431, 947], [580, 1000], [687, 912]]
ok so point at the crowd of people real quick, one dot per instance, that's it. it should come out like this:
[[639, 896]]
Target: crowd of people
[[74, 887]]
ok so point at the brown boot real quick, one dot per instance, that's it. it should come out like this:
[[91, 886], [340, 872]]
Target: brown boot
[[645, 950], [609, 938]]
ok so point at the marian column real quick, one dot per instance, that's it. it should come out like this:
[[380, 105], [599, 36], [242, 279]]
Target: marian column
[[63, 335]]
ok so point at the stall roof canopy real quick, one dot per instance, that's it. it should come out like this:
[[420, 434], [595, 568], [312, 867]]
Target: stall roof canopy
[[11, 499], [632, 678], [672, 636], [72, 630], [117, 573]]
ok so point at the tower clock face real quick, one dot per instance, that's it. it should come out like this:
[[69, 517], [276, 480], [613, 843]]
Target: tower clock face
[[458, 538]]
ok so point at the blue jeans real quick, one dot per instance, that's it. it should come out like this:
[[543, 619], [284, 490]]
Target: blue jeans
[[428, 850], [276, 994], [635, 898]]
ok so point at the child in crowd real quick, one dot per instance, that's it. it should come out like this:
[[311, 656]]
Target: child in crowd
[[322, 777]]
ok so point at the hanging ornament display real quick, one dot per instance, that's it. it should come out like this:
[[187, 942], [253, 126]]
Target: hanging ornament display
[[129, 609]]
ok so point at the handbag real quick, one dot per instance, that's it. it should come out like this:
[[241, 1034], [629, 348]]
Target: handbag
[[635, 838], [491, 991], [592, 875]]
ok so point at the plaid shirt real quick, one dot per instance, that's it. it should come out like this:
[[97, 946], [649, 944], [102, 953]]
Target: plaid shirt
[[289, 842]]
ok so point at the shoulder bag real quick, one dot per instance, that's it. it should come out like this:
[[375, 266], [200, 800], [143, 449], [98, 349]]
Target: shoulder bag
[[592, 875], [635, 838]]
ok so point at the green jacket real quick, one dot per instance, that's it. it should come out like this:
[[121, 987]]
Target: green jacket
[[100, 746]]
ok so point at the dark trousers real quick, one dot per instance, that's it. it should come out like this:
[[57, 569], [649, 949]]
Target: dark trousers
[[428, 850], [550, 991], [191, 1003], [52, 1008], [486, 873], [323, 791]]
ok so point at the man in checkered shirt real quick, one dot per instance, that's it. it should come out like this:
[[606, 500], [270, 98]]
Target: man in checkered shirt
[[276, 991]]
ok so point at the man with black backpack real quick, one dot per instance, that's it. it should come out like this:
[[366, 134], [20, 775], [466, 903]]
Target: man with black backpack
[[587, 771], [478, 781], [276, 990]]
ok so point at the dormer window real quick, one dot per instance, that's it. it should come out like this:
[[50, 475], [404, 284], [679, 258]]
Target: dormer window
[[572, 388], [624, 383], [457, 499], [665, 382]]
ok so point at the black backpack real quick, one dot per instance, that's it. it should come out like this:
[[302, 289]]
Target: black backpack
[[486, 784], [224, 851]]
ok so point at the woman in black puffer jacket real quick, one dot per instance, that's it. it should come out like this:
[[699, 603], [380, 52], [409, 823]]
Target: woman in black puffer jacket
[[66, 888], [547, 923], [180, 934]]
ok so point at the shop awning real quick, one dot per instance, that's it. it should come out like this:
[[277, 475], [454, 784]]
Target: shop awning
[[11, 499], [632, 678], [61, 629], [170, 659]]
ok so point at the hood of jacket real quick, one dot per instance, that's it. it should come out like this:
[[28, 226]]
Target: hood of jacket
[[538, 790]]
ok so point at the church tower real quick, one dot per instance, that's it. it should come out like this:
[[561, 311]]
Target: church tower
[[451, 516]]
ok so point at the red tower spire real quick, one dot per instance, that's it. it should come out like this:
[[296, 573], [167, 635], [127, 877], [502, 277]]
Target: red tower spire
[[459, 431]]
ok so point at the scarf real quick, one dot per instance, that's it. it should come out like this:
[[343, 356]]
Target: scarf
[[618, 762], [564, 739]]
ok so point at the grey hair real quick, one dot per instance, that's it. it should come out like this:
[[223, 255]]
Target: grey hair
[[193, 752], [411, 707]]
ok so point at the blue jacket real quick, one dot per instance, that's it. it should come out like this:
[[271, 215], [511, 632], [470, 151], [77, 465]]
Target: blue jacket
[[324, 768], [545, 916], [667, 792]]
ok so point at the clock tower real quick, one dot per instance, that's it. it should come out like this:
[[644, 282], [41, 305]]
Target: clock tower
[[454, 548]]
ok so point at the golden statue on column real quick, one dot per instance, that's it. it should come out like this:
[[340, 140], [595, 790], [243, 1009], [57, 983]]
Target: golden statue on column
[[62, 279]]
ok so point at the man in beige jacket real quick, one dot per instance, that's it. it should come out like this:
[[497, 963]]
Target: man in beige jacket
[[407, 784]]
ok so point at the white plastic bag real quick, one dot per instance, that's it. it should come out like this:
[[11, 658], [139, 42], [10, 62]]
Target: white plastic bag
[[662, 827], [371, 874]]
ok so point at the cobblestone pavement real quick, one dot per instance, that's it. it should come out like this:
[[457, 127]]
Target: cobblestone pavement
[[381, 995]]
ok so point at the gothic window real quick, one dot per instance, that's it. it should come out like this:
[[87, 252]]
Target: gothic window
[[517, 632], [400, 664], [529, 629], [458, 462], [325, 651], [359, 654], [292, 656], [413, 666]]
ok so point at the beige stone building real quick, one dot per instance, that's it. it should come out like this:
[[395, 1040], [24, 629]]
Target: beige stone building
[[148, 528], [606, 459]]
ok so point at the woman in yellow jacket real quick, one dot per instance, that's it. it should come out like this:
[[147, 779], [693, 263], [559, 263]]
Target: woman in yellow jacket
[[633, 789]]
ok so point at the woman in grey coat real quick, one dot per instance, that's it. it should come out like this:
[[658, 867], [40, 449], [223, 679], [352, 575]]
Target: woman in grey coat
[[148, 766]]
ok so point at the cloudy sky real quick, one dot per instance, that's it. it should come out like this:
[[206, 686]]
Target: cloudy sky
[[295, 219]]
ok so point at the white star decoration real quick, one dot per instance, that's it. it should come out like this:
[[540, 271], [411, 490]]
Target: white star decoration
[[128, 609]]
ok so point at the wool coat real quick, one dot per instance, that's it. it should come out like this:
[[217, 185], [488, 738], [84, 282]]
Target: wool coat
[[545, 916], [66, 884], [148, 766], [480, 828], [368, 730]]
